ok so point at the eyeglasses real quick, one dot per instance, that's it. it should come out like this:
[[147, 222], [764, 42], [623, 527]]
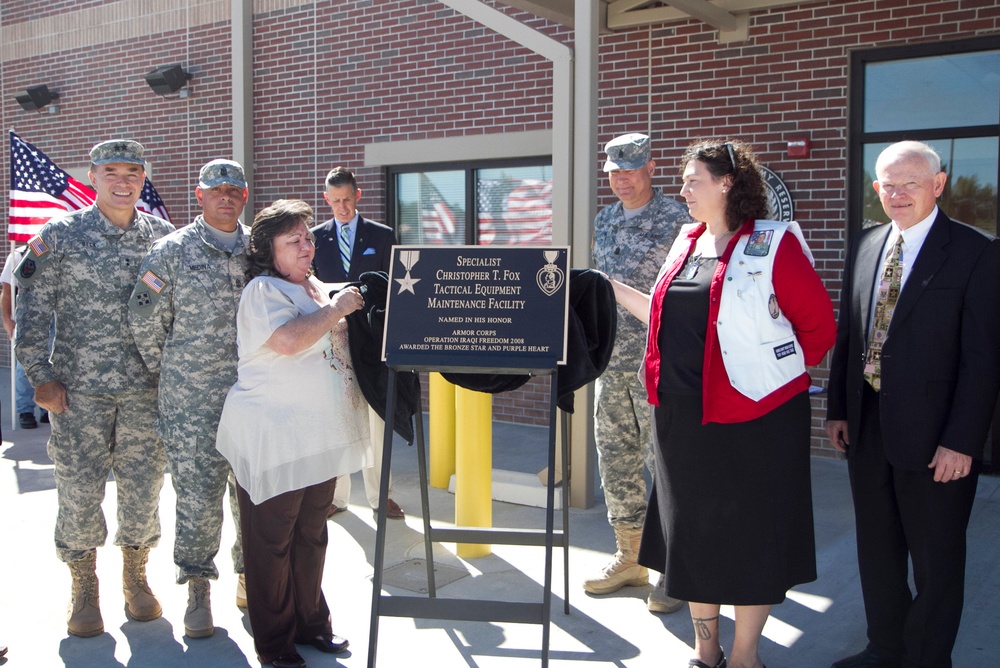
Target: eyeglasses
[[708, 154], [909, 187]]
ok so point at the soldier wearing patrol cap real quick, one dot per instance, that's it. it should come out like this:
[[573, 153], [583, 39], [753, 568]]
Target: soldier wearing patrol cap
[[183, 316], [631, 240], [80, 268]]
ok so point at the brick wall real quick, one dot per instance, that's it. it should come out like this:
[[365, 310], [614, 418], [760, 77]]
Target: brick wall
[[332, 77]]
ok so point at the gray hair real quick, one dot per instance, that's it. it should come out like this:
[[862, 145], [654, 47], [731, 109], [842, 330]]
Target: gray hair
[[905, 149]]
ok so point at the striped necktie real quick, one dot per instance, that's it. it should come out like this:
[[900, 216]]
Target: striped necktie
[[885, 304], [345, 247]]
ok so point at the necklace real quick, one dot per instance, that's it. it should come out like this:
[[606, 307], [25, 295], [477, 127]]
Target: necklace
[[692, 266]]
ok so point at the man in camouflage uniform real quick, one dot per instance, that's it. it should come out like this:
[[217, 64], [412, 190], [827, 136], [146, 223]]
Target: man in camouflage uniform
[[101, 398], [183, 315], [631, 240]]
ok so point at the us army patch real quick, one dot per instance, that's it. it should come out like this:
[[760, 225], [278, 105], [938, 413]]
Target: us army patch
[[28, 268], [759, 243], [36, 255], [143, 300]]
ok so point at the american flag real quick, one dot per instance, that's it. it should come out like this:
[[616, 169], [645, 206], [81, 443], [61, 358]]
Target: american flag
[[437, 221], [150, 202], [515, 212], [39, 190]]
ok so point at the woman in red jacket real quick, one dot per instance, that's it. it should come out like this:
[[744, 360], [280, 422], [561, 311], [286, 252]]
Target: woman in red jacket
[[735, 318]]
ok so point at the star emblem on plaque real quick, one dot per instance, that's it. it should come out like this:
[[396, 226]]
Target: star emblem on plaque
[[408, 260]]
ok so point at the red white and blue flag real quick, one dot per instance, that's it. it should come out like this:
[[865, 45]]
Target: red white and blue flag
[[40, 190], [438, 224], [514, 212], [150, 202]]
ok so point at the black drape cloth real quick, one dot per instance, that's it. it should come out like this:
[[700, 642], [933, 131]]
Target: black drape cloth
[[364, 329], [591, 329]]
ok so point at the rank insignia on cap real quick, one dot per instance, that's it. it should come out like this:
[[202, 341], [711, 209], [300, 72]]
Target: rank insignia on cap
[[153, 281], [759, 243], [38, 245]]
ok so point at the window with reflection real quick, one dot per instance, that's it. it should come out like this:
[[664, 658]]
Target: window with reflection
[[514, 206], [430, 207], [951, 90], [970, 193], [944, 94], [478, 204]]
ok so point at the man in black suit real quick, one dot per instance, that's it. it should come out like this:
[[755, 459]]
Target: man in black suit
[[347, 246], [913, 385]]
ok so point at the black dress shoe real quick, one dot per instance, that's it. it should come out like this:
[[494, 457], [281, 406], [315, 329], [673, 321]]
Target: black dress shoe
[[27, 421], [330, 644], [867, 658], [293, 660]]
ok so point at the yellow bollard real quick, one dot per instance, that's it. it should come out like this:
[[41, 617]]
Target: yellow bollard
[[473, 466], [441, 404]]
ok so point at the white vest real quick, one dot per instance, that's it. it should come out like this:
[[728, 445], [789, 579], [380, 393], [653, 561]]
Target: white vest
[[759, 348]]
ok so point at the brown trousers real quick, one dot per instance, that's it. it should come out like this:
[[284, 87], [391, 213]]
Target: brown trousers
[[284, 550]]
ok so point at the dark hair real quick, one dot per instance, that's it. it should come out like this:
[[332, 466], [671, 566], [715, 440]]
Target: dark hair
[[341, 176], [280, 217], [746, 197]]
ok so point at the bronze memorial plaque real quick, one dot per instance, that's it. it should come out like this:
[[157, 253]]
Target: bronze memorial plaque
[[465, 308]]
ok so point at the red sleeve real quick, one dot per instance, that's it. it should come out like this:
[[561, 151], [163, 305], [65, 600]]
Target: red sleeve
[[804, 300]]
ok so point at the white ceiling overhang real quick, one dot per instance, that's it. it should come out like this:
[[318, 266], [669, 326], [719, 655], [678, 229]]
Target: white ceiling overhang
[[729, 17]]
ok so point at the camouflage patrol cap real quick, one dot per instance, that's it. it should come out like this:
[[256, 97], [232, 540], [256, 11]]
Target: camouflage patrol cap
[[629, 151], [222, 172], [117, 150]]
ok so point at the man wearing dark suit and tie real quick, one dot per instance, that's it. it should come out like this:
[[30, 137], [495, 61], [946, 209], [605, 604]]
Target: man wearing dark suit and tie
[[913, 385], [347, 246]]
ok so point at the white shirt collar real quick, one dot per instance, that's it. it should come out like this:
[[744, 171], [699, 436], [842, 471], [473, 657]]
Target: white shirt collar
[[913, 236]]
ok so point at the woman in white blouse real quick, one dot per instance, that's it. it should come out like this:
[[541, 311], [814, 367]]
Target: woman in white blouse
[[293, 422]]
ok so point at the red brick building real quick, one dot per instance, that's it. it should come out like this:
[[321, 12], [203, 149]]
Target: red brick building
[[362, 83]]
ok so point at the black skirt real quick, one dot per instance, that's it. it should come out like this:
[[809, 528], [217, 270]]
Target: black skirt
[[730, 518]]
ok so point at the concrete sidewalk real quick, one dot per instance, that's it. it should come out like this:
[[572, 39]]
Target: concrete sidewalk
[[818, 623]]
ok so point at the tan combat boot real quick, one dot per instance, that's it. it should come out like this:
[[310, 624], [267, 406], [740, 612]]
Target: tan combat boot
[[658, 601], [84, 618], [198, 617], [140, 603], [624, 569], [241, 592]]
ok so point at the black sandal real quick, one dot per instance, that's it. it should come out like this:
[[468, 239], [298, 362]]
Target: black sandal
[[695, 663]]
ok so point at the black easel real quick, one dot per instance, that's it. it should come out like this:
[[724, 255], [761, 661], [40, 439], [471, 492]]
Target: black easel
[[432, 607]]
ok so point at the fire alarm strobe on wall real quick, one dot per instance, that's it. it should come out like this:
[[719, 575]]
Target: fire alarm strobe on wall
[[799, 148], [168, 79]]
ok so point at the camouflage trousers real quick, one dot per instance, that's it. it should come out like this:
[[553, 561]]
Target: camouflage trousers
[[622, 429], [100, 434], [199, 475]]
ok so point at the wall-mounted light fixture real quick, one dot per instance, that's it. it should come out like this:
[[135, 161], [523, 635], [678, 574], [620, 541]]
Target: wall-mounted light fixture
[[36, 97], [167, 80]]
